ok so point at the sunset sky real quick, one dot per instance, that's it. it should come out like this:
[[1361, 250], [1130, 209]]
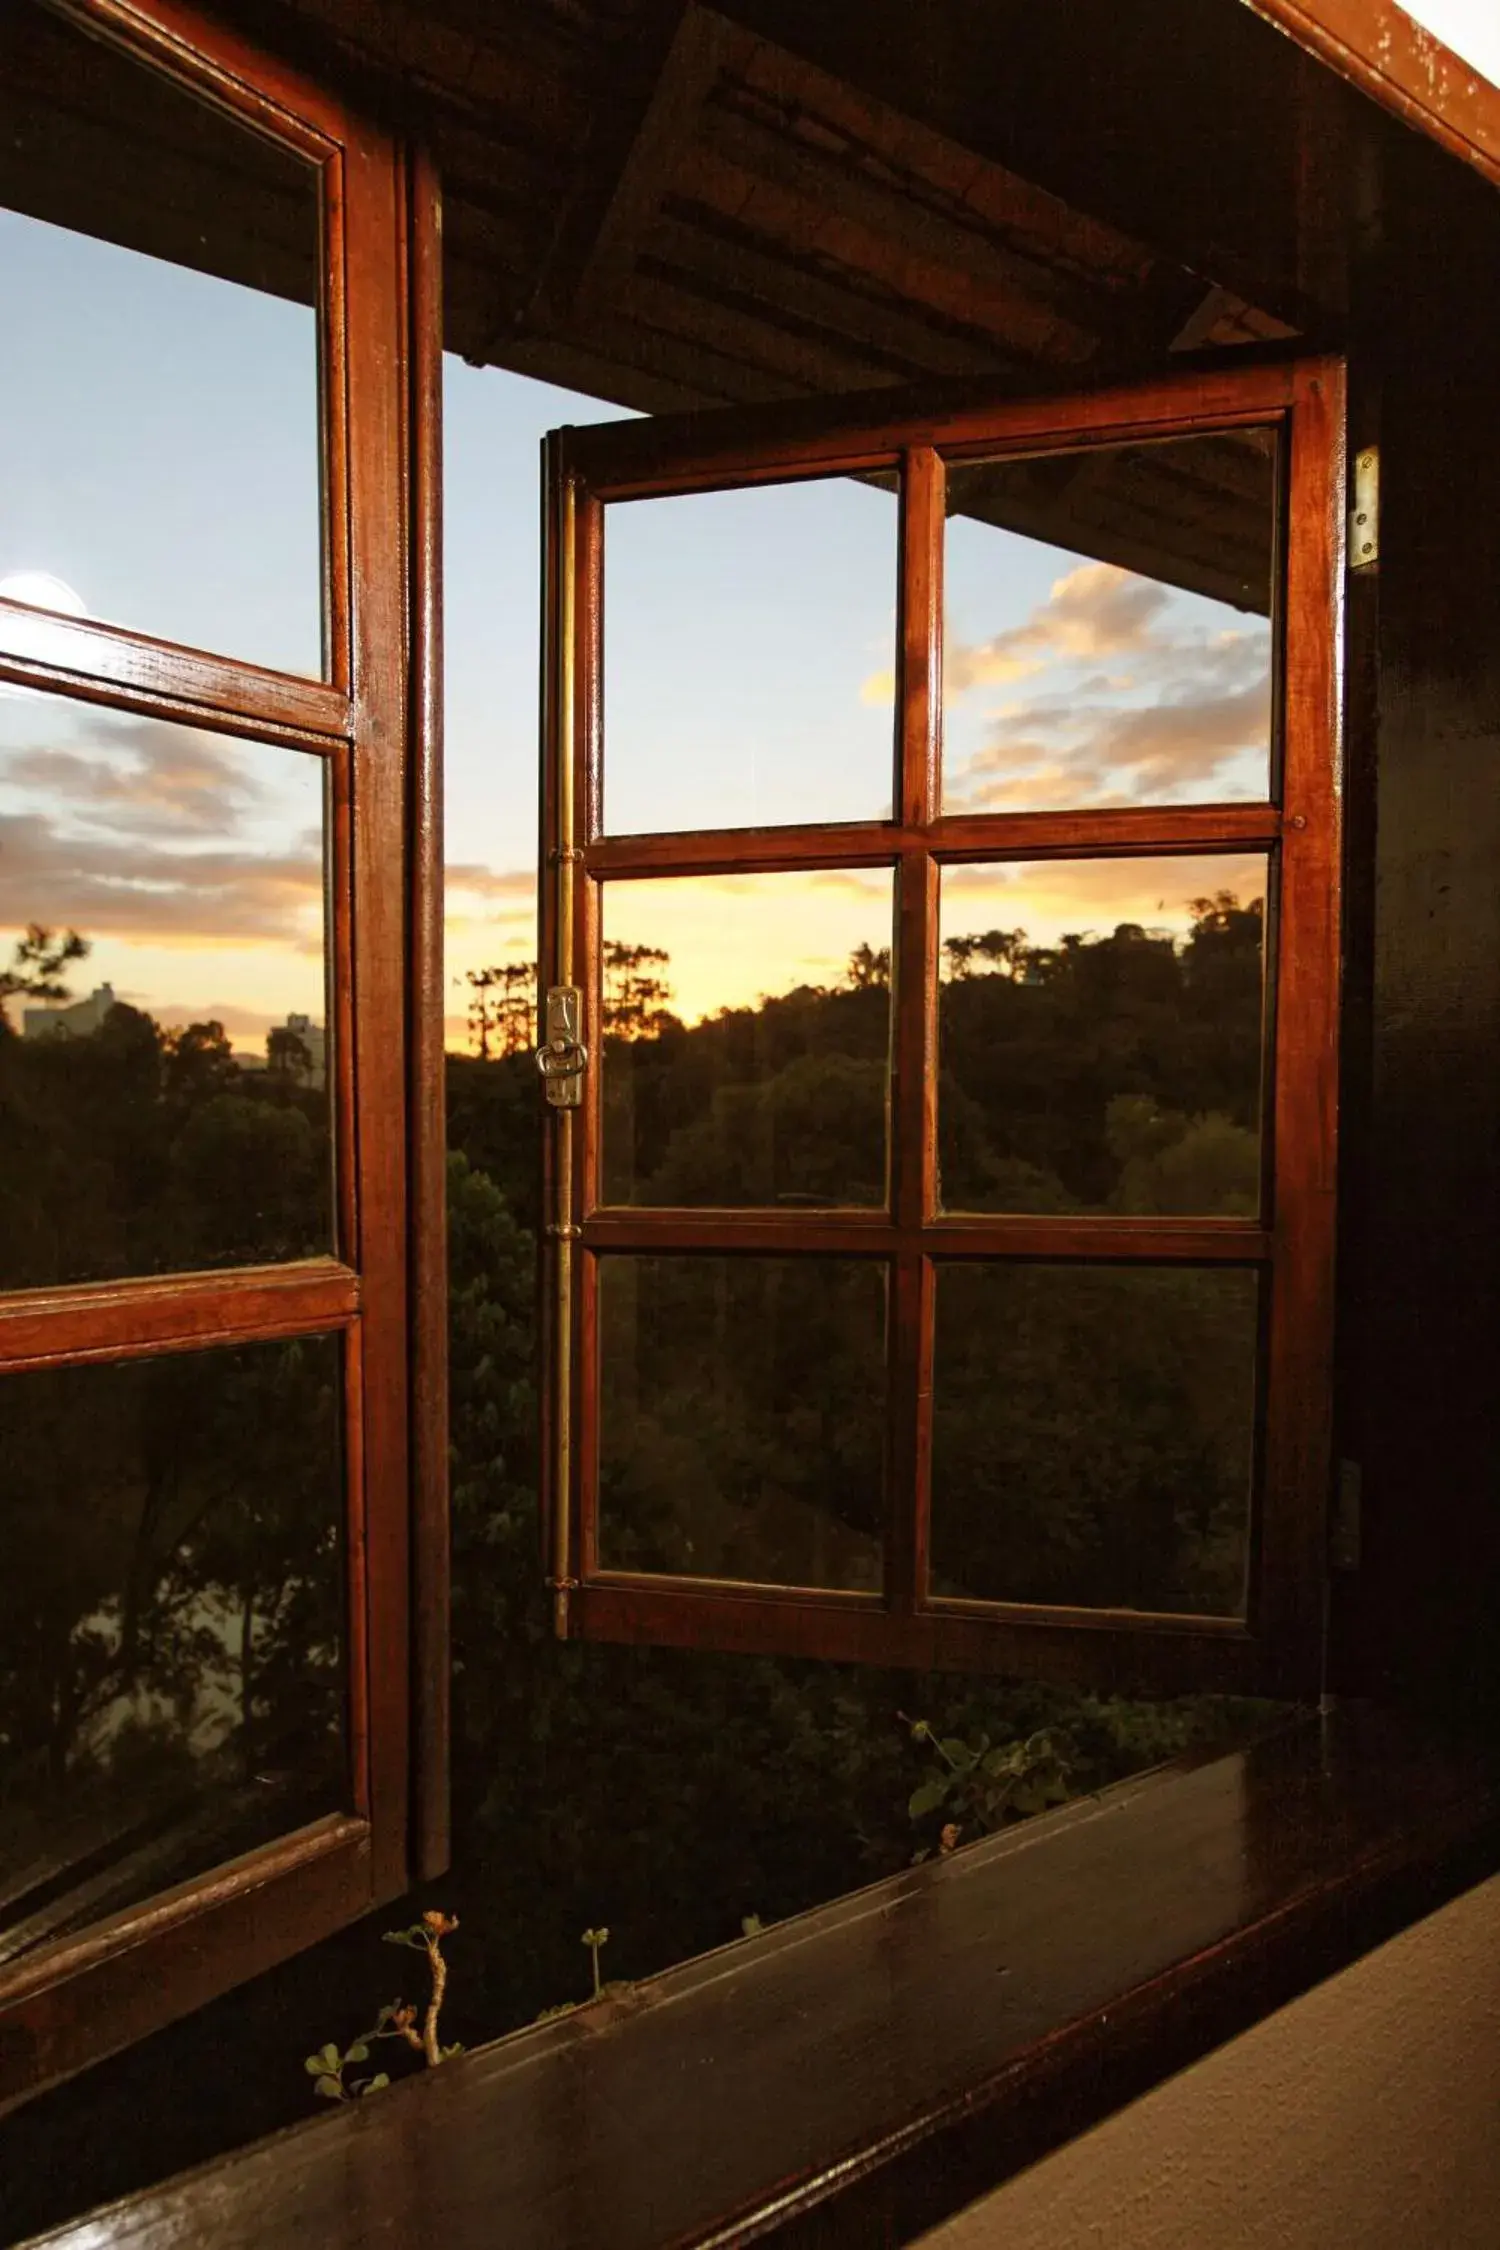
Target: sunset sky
[[158, 463]]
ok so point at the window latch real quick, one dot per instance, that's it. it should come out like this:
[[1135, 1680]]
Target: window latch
[[562, 1057]]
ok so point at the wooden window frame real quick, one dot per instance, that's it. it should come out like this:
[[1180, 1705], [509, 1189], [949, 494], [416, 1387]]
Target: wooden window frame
[[1278, 1647], [374, 722]]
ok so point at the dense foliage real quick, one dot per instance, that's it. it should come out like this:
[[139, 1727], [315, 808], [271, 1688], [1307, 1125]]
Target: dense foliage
[[668, 1794]]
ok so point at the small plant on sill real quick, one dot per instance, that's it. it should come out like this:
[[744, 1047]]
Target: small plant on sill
[[596, 1941], [979, 1786], [329, 2067]]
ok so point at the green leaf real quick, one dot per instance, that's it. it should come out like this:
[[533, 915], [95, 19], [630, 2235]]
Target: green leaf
[[956, 1749], [446, 2054], [374, 2085], [751, 1924], [331, 2057], [359, 2052], [330, 2088], [927, 1796], [315, 2066]]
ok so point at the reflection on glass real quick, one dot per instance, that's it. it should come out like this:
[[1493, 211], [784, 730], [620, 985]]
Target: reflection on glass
[[742, 1418], [749, 657], [159, 417], [747, 1039], [1093, 1432], [163, 1048], [171, 1622], [1107, 633], [1100, 1036]]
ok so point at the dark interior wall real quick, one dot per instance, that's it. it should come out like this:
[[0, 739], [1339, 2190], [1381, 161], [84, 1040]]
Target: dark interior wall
[[1421, 1408]]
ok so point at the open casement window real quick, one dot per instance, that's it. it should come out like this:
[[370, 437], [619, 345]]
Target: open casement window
[[939, 1052], [210, 472]]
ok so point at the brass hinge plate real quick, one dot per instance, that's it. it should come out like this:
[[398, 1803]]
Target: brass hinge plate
[[1364, 515]]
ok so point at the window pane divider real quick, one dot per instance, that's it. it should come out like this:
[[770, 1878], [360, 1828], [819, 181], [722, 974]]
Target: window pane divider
[[122, 1319], [1117, 830], [129, 671]]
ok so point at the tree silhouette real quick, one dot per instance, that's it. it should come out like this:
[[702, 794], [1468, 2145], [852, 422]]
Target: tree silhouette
[[635, 997], [36, 965], [869, 967], [502, 1010]]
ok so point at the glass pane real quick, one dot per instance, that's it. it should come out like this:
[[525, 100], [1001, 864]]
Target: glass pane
[[1100, 1025], [159, 415], [1093, 1433], [747, 1039], [1107, 635], [163, 1050], [742, 1418], [749, 657], [171, 1622]]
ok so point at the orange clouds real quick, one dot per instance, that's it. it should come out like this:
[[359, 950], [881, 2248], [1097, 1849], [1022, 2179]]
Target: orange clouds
[[1190, 718]]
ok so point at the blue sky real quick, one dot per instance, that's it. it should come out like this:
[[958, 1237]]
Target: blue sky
[[158, 467]]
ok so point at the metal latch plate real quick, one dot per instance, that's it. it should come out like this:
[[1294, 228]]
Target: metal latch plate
[[562, 1058]]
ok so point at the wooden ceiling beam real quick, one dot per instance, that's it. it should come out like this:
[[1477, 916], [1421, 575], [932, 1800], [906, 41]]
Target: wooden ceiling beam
[[629, 155], [761, 271], [799, 362], [1040, 309], [813, 225]]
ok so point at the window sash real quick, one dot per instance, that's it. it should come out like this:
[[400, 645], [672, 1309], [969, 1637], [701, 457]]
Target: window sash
[[1276, 1648], [67, 2004]]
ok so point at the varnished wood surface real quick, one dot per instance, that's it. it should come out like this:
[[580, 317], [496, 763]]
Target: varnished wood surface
[[1298, 826], [102, 1991], [1121, 830], [431, 1543], [765, 2085], [68, 2003], [1405, 67], [623, 460], [109, 1319]]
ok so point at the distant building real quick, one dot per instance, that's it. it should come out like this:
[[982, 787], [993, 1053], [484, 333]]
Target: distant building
[[286, 1045], [315, 1040], [75, 1022]]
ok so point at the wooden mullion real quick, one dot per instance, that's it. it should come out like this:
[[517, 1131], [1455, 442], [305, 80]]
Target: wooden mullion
[[156, 679], [1107, 1650], [838, 1234], [1293, 1529], [431, 1556], [681, 453], [1124, 832], [1102, 1236], [377, 623], [120, 1319], [984, 1234], [914, 1026], [555, 689]]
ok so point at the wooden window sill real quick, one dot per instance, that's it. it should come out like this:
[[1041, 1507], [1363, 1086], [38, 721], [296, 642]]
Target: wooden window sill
[[855, 2074]]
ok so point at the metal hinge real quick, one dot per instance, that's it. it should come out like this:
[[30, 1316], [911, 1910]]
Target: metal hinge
[[562, 1057], [1346, 1528], [1364, 515]]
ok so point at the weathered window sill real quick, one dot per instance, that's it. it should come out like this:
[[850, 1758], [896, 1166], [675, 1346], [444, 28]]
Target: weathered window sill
[[856, 2074]]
